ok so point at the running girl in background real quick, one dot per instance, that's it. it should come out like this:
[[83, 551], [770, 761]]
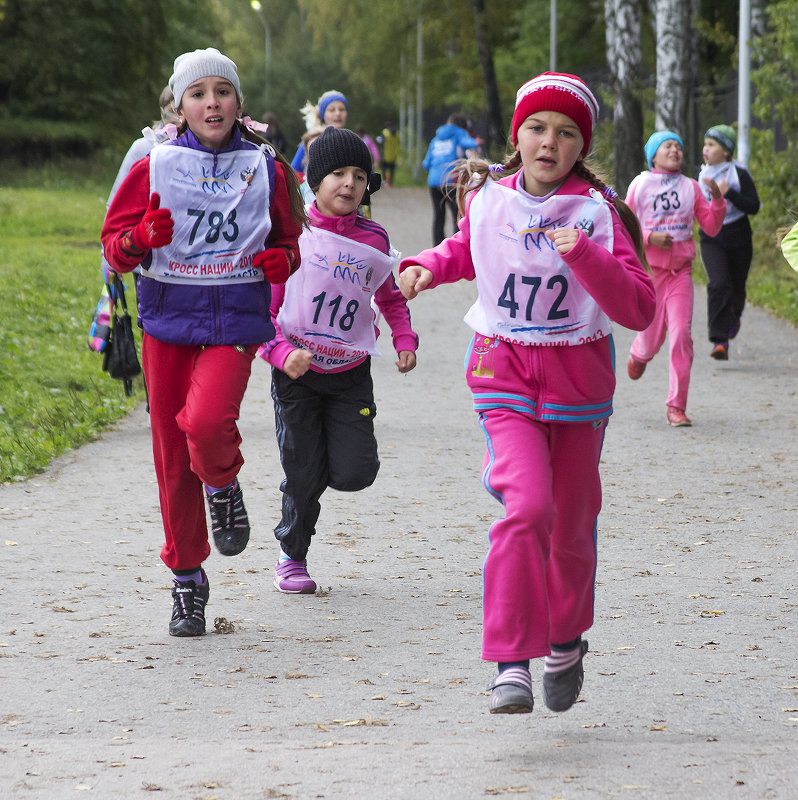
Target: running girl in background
[[331, 109], [213, 217], [555, 255], [667, 202], [727, 256]]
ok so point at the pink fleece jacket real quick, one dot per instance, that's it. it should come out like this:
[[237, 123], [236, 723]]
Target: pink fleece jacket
[[388, 298], [580, 375], [680, 256]]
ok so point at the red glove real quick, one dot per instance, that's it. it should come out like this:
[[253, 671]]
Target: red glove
[[155, 228], [275, 264]]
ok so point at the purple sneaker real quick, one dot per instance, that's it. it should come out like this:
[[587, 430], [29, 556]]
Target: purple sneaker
[[292, 577]]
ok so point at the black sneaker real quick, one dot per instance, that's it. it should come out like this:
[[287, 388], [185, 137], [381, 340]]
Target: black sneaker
[[188, 611], [511, 692], [561, 689], [229, 521]]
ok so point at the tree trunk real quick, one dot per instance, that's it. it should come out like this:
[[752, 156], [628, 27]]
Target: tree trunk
[[624, 56], [673, 61], [496, 135]]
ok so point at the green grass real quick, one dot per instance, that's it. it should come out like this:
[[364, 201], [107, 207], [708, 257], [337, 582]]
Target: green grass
[[54, 395]]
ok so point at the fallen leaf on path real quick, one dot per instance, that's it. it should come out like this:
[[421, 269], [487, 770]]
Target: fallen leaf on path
[[223, 625]]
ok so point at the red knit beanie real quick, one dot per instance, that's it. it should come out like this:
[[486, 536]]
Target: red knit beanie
[[557, 91]]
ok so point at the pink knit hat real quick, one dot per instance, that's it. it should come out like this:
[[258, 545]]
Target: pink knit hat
[[557, 91]]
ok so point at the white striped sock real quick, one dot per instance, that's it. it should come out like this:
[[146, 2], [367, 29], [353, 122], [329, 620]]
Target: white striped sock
[[518, 675], [560, 660]]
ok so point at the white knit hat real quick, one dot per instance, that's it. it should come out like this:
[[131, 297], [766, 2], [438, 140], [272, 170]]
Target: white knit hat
[[206, 63]]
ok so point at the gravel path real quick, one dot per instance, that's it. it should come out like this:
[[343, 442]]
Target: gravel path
[[374, 687]]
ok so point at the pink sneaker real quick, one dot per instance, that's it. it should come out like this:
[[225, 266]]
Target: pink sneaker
[[292, 577], [677, 418], [635, 368]]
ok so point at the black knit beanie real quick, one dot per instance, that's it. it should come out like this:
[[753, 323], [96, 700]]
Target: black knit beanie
[[333, 149]]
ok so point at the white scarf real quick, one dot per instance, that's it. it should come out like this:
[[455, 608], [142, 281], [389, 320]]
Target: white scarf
[[727, 171]]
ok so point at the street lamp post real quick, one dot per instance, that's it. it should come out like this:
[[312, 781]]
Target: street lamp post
[[267, 46]]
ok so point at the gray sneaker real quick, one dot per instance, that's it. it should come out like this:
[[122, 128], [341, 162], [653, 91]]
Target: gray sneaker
[[561, 689], [511, 697]]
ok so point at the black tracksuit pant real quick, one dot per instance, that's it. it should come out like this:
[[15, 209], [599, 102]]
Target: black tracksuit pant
[[727, 260], [325, 432]]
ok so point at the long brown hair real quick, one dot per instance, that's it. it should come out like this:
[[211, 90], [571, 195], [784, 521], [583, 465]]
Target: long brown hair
[[294, 192], [472, 174]]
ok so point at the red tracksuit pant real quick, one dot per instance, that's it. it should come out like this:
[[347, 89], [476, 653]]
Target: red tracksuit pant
[[195, 394]]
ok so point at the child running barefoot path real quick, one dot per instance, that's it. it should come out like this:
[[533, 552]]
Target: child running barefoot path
[[554, 261], [326, 333], [229, 225], [667, 202]]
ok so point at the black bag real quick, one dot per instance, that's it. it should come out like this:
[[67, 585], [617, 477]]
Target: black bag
[[121, 360]]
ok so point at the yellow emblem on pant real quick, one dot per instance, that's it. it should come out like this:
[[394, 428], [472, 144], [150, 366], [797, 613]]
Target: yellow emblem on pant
[[365, 411]]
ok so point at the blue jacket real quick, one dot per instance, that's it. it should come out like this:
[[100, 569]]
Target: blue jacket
[[449, 144]]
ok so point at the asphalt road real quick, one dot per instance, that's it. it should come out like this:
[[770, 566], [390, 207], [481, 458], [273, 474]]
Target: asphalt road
[[374, 688]]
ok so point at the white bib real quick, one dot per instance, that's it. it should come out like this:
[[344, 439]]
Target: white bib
[[664, 203], [527, 294], [727, 171], [221, 214], [327, 307]]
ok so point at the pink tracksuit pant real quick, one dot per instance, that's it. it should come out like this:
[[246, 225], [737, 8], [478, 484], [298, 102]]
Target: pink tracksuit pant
[[673, 316], [540, 569]]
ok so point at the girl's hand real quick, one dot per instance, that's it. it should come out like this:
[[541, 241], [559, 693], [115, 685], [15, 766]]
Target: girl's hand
[[714, 190], [407, 359], [414, 280], [564, 238], [275, 263], [156, 226], [297, 363], [660, 239]]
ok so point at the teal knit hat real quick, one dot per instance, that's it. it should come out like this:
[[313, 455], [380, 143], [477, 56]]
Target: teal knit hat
[[724, 135], [654, 142]]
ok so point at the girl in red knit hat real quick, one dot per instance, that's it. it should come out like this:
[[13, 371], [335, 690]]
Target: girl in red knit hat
[[556, 255]]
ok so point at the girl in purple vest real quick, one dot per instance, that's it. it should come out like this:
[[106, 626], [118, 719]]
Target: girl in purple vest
[[326, 333], [555, 256], [212, 217], [667, 202]]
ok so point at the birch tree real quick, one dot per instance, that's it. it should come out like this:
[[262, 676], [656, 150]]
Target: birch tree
[[673, 61], [624, 56]]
